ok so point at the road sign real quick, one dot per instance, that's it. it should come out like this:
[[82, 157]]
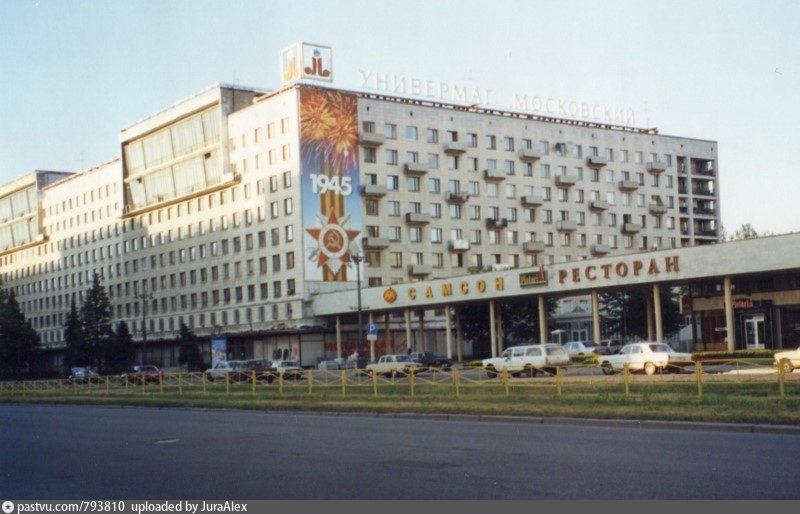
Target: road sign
[[372, 329]]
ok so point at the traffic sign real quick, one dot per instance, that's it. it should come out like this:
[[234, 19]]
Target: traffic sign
[[372, 329]]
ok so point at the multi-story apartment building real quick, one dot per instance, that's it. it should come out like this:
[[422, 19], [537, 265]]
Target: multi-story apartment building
[[229, 210]]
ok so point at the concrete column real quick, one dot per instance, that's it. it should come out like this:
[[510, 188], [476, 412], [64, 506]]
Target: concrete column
[[659, 321], [500, 332], [648, 307], [389, 334], [543, 335], [407, 315], [338, 337], [595, 317], [448, 334], [422, 346], [459, 337], [729, 327], [492, 331], [371, 343]]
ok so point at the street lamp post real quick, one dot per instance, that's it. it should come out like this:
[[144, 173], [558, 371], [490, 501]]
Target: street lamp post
[[358, 259], [144, 296]]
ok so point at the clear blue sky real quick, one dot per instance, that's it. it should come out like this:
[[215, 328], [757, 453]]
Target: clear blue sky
[[75, 72]]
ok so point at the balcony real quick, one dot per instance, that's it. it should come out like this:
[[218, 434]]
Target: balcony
[[371, 139], [566, 225], [373, 191], [598, 205], [533, 246], [705, 211], [705, 233], [493, 175], [657, 209], [458, 245], [495, 224], [453, 148], [566, 180], [415, 169], [631, 228], [628, 185], [417, 218], [595, 161], [375, 243], [656, 167], [456, 197], [704, 191], [532, 201], [417, 270], [529, 155], [600, 249]]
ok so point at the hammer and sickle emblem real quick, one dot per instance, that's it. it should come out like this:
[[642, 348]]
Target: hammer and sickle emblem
[[333, 241]]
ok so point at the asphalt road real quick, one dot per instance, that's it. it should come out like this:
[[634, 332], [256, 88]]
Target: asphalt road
[[77, 452]]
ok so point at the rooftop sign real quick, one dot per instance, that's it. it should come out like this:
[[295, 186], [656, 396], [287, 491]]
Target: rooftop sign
[[306, 61]]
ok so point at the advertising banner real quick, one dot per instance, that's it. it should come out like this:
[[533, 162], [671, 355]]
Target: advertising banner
[[219, 350]]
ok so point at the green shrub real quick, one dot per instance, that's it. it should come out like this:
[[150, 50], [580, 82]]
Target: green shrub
[[736, 354], [584, 359]]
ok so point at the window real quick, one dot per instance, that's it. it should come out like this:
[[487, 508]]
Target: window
[[392, 182], [436, 235], [508, 167], [432, 136], [391, 157], [411, 133], [508, 144], [368, 126], [491, 142], [472, 140], [393, 208], [413, 184], [435, 210], [544, 170], [370, 155], [474, 188], [390, 131], [433, 161]]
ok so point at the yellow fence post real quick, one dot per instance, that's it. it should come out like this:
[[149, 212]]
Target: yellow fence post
[[457, 382], [74, 386], [180, 384], [310, 381], [161, 382], [504, 380], [227, 382], [558, 380], [280, 382], [626, 375], [344, 381], [781, 378], [698, 373], [126, 383], [253, 378], [374, 384], [204, 383], [108, 379], [411, 381]]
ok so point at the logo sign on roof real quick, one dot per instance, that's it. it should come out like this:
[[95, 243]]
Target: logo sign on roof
[[306, 61]]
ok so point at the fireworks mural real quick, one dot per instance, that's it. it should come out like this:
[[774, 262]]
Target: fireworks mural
[[330, 182]]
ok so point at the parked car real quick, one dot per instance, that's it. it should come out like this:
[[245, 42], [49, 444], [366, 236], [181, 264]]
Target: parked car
[[430, 360], [612, 345], [236, 371], [649, 357], [575, 348], [83, 375], [527, 359], [289, 369], [331, 364], [393, 365], [143, 374], [788, 360]]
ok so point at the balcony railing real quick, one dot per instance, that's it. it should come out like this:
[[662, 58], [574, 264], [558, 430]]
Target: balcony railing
[[454, 148], [496, 223], [566, 225], [371, 139], [631, 228], [628, 185], [529, 155], [419, 269], [417, 218], [415, 169], [458, 245], [493, 175], [599, 249], [595, 161], [533, 246], [566, 180], [453, 197], [598, 205], [532, 201], [375, 243], [373, 191]]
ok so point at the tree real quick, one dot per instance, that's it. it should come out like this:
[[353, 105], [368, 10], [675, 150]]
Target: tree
[[19, 342], [520, 319], [625, 312], [189, 353], [73, 336], [746, 231], [121, 353], [96, 323]]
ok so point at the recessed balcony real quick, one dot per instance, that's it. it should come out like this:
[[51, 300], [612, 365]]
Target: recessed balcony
[[533, 246], [375, 243], [600, 249], [566, 225], [529, 155], [454, 148], [415, 169], [373, 191], [595, 161], [628, 185], [631, 228], [417, 218], [598, 205], [457, 197], [532, 201], [371, 139], [493, 175], [458, 245]]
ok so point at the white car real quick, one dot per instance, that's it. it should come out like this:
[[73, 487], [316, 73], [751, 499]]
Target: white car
[[527, 359], [393, 365], [237, 371], [575, 348], [289, 369], [788, 360], [649, 357]]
